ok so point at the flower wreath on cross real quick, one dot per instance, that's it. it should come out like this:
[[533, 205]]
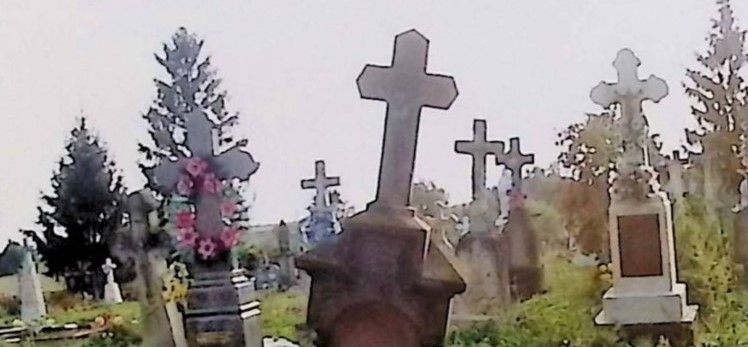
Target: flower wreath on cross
[[198, 179]]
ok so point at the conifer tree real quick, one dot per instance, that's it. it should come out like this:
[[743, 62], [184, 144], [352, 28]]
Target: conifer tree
[[82, 214], [719, 93]]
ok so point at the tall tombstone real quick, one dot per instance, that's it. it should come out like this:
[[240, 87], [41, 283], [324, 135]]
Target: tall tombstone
[[645, 298], [320, 225], [526, 271], [675, 186], [140, 245], [741, 210], [482, 249], [33, 306], [221, 307], [287, 268], [382, 281]]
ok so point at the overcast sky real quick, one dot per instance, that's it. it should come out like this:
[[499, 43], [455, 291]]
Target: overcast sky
[[290, 69]]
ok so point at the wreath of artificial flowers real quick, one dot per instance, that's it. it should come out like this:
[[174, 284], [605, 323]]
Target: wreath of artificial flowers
[[197, 179]]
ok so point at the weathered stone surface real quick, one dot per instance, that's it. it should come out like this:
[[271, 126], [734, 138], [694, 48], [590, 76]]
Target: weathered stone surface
[[487, 274], [526, 271]]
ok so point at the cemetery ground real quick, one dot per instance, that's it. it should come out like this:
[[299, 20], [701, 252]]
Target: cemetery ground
[[560, 316]]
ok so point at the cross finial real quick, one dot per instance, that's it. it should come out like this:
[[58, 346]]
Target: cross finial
[[407, 87], [479, 148], [514, 160], [320, 183], [630, 91]]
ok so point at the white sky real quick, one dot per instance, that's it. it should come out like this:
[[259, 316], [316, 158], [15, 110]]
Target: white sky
[[290, 68]]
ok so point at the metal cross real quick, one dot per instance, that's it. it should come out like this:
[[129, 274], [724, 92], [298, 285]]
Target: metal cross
[[320, 183], [406, 87], [479, 148], [514, 160]]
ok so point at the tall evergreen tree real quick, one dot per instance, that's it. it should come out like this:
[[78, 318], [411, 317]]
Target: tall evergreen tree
[[81, 215], [719, 93], [191, 89]]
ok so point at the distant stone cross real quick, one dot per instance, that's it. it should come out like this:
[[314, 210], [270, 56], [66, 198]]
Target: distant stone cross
[[320, 183], [226, 165], [479, 148], [630, 92], [407, 88], [514, 161], [108, 269]]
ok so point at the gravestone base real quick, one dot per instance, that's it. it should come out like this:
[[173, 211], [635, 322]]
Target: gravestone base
[[526, 282], [646, 307], [679, 334], [485, 259], [112, 294], [741, 242], [221, 311], [526, 271], [382, 282]]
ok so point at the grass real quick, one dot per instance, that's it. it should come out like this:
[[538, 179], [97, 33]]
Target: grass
[[282, 313]]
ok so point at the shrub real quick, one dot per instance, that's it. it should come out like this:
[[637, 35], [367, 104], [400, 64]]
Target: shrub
[[11, 305]]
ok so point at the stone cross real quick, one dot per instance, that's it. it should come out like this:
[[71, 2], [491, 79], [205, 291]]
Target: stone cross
[[407, 87], [479, 148], [320, 183], [514, 160], [675, 185], [108, 269], [630, 92], [226, 165]]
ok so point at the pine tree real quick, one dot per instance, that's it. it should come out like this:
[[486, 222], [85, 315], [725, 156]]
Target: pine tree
[[719, 93], [82, 214]]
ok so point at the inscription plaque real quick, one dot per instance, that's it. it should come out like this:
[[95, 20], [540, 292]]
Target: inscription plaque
[[639, 244]]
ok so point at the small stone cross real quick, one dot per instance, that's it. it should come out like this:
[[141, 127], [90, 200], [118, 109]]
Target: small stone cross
[[320, 183], [108, 269], [514, 160], [407, 87], [479, 148]]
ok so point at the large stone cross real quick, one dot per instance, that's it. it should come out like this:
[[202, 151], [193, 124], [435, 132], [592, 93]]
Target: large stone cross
[[407, 87], [226, 165], [320, 183], [108, 268], [514, 160], [630, 92], [479, 148]]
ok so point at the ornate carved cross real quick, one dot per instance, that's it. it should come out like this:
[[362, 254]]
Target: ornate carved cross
[[630, 92], [514, 160], [226, 165], [320, 183], [407, 87], [479, 148]]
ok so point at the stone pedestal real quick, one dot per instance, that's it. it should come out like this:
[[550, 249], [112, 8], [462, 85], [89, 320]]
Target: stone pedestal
[[488, 278], [644, 288], [33, 306], [382, 282], [221, 309], [525, 270], [112, 293], [741, 242]]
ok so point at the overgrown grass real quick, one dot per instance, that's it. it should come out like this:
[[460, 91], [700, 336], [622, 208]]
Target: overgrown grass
[[282, 313]]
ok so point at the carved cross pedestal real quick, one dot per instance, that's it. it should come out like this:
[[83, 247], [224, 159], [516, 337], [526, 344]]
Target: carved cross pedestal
[[322, 219], [221, 306], [525, 270], [382, 282], [645, 296]]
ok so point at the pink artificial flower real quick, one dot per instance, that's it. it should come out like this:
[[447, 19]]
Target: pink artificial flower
[[185, 185], [196, 167], [211, 184], [207, 249], [228, 208], [185, 219], [187, 237], [229, 236]]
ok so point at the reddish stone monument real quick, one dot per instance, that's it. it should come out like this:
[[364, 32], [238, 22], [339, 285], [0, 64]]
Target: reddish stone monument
[[382, 282], [526, 271]]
